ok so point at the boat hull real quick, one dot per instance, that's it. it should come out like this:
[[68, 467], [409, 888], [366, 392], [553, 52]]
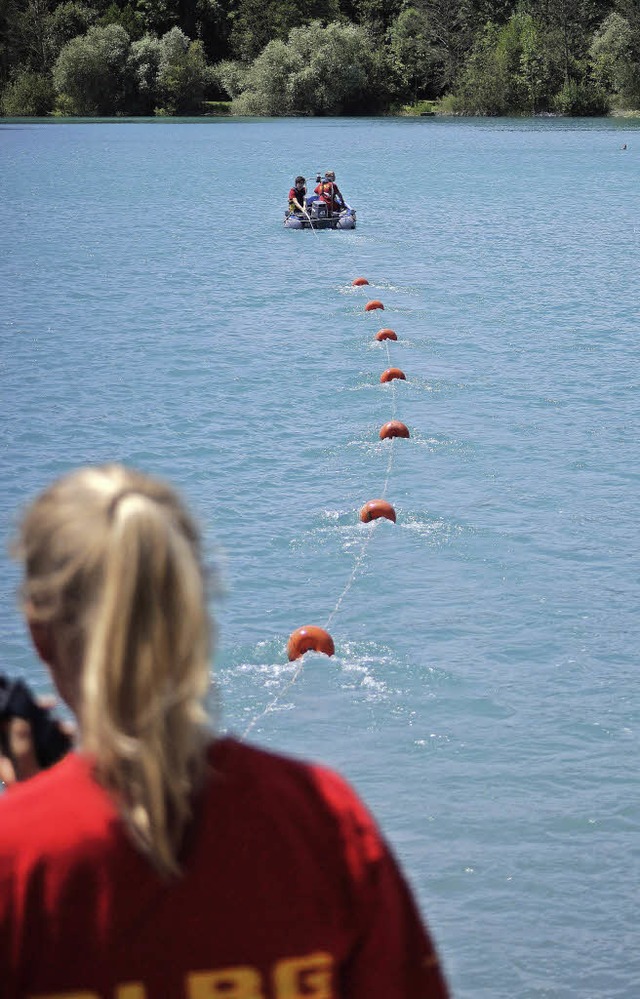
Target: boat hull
[[316, 219]]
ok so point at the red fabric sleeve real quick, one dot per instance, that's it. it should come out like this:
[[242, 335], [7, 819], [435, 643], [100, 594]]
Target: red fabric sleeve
[[394, 957]]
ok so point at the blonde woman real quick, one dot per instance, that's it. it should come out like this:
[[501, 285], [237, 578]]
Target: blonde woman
[[156, 860]]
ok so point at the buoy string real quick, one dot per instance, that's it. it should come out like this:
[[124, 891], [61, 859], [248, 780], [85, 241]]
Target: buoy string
[[312, 225], [351, 580], [389, 467], [360, 557], [393, 388], [272, 703], [354, 572]]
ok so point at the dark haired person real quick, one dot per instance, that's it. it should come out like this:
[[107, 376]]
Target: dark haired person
[[159, 860], [297, 196]]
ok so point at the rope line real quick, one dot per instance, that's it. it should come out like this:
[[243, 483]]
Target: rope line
[[392, 383], [356, 565], [274, 701], [389, 467], [351, 580]]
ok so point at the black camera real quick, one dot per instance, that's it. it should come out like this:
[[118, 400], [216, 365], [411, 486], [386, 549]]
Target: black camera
[[16, 701]]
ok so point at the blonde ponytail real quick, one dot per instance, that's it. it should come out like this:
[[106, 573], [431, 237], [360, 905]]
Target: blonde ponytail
[[112, 562]]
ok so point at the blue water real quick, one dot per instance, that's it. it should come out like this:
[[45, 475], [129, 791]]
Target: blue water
[[483, 697]]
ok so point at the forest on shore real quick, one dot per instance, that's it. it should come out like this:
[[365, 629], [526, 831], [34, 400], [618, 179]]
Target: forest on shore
[[338, 57]]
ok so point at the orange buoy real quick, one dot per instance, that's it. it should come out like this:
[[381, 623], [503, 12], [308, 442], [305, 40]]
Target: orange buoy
[[391, 373], [377, 508], [373, 304], [309, 638], [358, 282], [386, 335], [394, 429]]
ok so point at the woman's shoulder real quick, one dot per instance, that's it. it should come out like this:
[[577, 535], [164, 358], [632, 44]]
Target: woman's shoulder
[[303, 788], [233, 756], [46, 808]]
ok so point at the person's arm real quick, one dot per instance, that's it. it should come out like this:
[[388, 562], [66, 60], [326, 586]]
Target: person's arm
[[30, 737], [18, 758]]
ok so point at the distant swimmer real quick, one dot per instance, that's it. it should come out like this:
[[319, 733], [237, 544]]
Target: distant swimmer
[[624, 147]]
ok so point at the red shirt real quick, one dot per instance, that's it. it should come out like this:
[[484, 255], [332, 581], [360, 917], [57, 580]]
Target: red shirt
[[288, 892], [328, 192]]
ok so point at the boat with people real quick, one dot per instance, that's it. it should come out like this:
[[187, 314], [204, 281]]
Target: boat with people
[[317, 217], [324, 209]]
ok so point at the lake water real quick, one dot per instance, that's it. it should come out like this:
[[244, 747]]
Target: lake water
[[484, 695]]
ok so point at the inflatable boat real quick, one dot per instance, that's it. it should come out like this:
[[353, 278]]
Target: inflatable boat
[[317, 217]]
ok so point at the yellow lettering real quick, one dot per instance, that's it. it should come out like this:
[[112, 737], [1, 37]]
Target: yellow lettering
[[308, 977], [229, 983], [131, 990]]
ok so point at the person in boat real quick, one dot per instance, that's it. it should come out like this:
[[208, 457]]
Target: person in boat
[[159, 853], [329, 192], [298, 197]]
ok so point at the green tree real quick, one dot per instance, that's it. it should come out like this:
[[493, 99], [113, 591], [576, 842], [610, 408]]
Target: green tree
[[159, 16], [266, 89], [231, 75], [568, 26], [9, 40], [255, 23], [183, 74], [580, 98], [505, 73], [416, 59], [33, 34], [67, 21], [320, 70], [520, 56], [630, 10], [127, 17], [375, 15], [34, 26], [145, 55], [29, 95], [213, 27], [481, 87], [454, 26], [615, 54], [92, 72]]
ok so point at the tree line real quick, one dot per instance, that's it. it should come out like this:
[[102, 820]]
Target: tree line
[[287, 57]]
